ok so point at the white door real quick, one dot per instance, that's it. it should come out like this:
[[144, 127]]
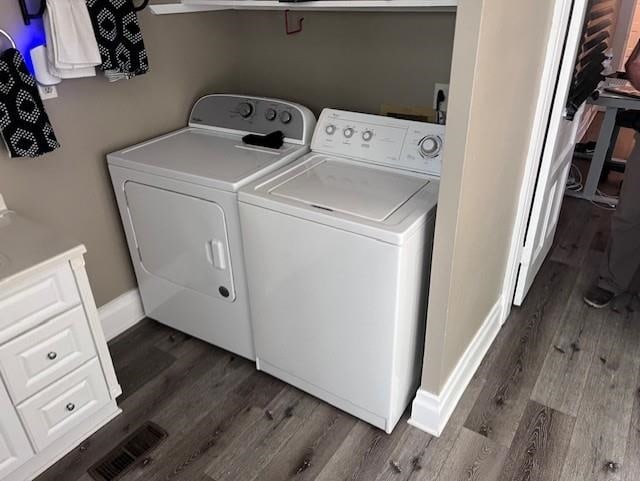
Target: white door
[[182, 239], [557, 149]]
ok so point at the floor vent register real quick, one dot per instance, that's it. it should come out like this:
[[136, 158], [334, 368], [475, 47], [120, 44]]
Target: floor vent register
[[128, 453]]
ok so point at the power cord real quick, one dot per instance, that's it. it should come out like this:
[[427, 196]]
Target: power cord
[[603, 206], [574, 184]]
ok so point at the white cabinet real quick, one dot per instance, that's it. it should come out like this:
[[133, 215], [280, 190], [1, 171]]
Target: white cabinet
[[15, 449], [54, 361]]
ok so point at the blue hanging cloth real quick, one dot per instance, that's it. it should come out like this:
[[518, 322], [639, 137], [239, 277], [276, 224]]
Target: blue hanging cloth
[[24, 123]]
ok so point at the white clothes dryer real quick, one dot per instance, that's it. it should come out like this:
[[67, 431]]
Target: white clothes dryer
[[177, 196], [338, 251]]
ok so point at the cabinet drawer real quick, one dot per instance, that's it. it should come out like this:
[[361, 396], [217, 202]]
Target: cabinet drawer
[[45, 354], [53, 412], [14, 445], [30, 302]]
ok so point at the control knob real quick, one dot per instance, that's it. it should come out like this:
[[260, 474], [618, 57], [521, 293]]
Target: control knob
[[271, 115], [285, 117], [348, 132], [430, 146], [245, 109], [330, 129], [367, 135]]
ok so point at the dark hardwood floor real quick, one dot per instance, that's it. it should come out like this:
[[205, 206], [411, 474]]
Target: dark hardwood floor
[[557, 398]]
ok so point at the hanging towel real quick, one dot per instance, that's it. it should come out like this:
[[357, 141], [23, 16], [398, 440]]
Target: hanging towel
[[24, 124], [119, 38], [72, 49]]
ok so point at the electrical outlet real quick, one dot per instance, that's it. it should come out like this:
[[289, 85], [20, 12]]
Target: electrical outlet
[[445, 103], [48, 92]]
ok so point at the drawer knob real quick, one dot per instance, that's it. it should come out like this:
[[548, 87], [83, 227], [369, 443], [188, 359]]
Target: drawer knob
[[52, 355], [71, 407]]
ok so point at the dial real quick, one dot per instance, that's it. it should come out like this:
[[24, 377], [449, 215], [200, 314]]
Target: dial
[[330, 129], [430, 146], [348, 132], [285, 117], [367, 135], [271, 115], [245, 109]]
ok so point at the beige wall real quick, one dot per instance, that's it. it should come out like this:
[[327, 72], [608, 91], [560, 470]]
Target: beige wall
[[190, 55], [501, 44], [353, 61]]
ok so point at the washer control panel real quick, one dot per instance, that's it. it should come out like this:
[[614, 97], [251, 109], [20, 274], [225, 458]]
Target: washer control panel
[[402, 144], [255, 115]]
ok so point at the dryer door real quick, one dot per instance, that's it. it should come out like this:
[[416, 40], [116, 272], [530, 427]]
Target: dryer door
[[182, 239]]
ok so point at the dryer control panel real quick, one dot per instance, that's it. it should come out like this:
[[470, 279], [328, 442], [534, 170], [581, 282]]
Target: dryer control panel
[[256, 115], [397, 143]]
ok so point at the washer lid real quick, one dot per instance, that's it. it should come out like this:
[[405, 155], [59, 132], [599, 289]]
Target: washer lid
[[214, 159], [358, 190], [386, 204]]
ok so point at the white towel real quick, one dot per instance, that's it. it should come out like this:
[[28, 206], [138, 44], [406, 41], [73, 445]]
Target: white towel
[[72, 47]]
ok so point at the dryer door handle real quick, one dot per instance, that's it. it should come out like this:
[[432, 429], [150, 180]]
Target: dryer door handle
[[215, 254]]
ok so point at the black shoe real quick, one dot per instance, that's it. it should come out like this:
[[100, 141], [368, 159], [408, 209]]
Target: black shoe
[[623, 303], [598, 297]]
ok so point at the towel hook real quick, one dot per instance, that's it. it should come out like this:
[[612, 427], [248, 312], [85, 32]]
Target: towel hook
[[142, 6], [9, 37], [26, 16]]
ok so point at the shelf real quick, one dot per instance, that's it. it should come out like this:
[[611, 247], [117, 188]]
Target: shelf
[[171, 8], [188, 6]]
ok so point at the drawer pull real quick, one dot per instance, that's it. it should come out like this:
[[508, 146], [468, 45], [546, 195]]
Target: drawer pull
[[52, 355], [71, 407]]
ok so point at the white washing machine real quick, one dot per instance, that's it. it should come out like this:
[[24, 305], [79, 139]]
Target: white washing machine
[[338, 250], [177, 196]]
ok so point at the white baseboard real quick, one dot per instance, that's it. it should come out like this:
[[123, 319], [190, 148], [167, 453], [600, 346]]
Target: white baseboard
[[121, 313], [431, 412]]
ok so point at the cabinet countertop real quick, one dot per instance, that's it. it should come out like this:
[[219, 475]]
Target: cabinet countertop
[[26, 245]]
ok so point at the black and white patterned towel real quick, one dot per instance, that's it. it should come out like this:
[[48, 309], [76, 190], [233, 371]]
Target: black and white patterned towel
[[119, 37], [24, 124]]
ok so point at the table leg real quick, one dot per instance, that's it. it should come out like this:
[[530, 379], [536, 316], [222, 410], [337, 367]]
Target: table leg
[[612, 143], [600, 155]]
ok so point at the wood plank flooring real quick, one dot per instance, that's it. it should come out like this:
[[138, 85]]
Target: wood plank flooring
[[556, 398]]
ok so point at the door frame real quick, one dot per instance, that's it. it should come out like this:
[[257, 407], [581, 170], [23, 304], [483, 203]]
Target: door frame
[[548, 82]]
